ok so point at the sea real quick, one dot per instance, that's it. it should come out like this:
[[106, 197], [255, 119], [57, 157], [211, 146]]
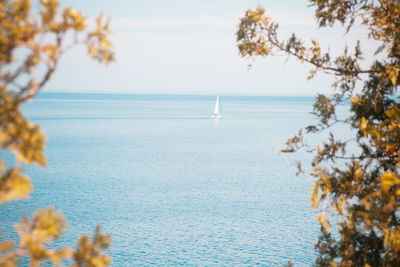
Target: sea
[[172, 185]]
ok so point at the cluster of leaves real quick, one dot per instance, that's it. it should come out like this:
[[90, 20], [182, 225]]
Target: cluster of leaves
[[46, 226], [31, 44], [358, 179]]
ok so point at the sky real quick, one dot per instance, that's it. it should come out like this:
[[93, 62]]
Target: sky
[[189, 47]]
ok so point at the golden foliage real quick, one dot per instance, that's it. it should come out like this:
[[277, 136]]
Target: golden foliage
[[89, 253], [358, 179], [13, 184], [46, 226], [21, 29]]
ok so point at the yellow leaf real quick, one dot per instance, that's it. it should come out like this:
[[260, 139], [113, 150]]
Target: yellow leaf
[[324, 222], [388, 180], [363, 123], [393, 73]]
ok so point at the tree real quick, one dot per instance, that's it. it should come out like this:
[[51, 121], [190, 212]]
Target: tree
[[356, 179], [31, 44]]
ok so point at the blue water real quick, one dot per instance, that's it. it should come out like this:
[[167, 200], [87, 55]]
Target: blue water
[[173, 186]]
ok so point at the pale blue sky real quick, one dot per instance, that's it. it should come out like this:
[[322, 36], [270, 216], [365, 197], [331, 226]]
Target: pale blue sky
[[188, 47]]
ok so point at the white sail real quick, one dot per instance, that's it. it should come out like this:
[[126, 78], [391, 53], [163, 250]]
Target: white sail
[[216, 110], [217, 114]]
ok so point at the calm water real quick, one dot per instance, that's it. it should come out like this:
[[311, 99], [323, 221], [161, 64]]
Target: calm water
[[173, 186]]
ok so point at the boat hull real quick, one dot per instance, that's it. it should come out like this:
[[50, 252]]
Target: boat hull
[[216, 116]]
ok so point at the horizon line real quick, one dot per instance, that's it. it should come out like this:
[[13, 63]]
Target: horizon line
[[173, 94]]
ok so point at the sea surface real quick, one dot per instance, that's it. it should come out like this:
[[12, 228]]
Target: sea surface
[[172, 185]]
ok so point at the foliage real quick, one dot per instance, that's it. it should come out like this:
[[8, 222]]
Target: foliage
[[31, 44], [358, 179]]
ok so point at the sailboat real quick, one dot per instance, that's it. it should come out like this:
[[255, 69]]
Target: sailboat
[[217, 114]]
